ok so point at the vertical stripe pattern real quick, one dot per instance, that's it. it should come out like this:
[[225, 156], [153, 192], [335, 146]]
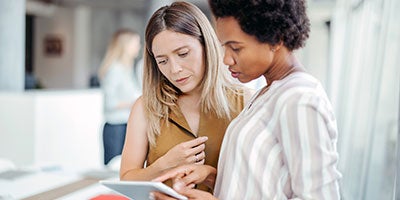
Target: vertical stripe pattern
[[282, 145]]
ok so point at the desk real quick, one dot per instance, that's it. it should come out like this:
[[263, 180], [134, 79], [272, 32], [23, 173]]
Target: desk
[[35, 185]]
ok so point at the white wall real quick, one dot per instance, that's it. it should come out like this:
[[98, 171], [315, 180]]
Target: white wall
[[85, 32], [71, 68], [60, 127], [104, 22], [315, 55], [17, 127], [55, 71]]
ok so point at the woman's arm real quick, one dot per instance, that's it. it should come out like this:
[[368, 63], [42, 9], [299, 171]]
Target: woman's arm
[[136, 147], [309, 144]]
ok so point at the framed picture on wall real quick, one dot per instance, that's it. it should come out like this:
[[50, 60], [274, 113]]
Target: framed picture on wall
[[53, 45]]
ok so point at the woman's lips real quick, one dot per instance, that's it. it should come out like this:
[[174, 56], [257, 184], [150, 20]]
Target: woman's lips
[[182, 80], [234, 74]]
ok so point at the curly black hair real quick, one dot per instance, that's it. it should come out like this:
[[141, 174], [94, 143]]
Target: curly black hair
[[270, 21]]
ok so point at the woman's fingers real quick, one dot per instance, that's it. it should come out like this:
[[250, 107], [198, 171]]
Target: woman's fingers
[[190, 193], [197, 150], [196, 194], [193, 150], [195, 142], [159, 196], [192, 178], [177, 172], [201, 162], [196, 153], [200, 158], [197, 175], [201, 155]]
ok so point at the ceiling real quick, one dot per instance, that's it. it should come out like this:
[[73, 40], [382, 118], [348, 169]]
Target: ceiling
[[138, 5], [318, 9], [47, 8], [118, 4]]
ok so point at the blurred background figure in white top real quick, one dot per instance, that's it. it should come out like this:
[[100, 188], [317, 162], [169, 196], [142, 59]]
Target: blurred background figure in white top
[[120, 81]]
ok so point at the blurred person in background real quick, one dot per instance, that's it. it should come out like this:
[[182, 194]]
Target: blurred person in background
[[117, 80], [188, 98]]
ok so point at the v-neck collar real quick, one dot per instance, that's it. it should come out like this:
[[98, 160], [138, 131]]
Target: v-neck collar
[[179, 119], [206, 120]]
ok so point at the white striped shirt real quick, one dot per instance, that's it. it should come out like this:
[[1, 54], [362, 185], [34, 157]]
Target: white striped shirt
[[283, 146]]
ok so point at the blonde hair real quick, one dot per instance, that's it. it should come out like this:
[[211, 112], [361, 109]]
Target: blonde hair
[[159, 94], [116, 49]]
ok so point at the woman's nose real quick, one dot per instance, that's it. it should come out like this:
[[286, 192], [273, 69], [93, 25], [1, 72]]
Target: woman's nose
[[228, 59], [175, 67]]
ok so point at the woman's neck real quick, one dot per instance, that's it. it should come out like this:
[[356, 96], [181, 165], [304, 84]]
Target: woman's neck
[[285, 64], [192, 97]]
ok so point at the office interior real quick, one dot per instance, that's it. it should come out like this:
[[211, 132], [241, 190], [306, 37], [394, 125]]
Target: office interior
[[51, 108]]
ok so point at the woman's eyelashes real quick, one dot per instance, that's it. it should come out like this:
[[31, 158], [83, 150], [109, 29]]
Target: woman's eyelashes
[[183, 54], [235, 49], [164, 61]]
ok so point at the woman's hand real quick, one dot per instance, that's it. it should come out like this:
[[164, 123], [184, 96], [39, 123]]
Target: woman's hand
[[191, 194], [190, 152], [187, 176]]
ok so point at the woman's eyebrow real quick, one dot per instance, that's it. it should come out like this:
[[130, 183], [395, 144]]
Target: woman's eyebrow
[[230, 42], [175, 50]]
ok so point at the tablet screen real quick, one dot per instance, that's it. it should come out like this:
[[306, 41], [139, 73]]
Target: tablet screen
[[139, 190]]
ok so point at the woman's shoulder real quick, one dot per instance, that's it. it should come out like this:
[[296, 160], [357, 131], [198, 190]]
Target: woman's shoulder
[[298, 82], [138, 107], [301, 89]]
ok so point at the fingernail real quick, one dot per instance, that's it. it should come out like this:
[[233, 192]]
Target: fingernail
[[178, 185], [151, 196], [205, 138]]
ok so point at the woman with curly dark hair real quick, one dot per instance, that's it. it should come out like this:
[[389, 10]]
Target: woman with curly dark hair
[[283, 144]]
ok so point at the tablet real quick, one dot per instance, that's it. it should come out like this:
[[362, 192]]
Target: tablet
[[140, 190]]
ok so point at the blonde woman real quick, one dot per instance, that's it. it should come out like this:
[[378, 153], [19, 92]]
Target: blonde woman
[[188, 99], [120, 90]]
